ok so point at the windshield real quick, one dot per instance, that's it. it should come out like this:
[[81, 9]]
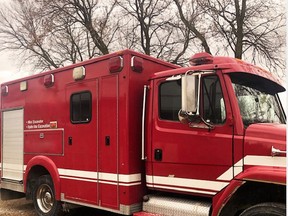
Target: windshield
[[257, 106]]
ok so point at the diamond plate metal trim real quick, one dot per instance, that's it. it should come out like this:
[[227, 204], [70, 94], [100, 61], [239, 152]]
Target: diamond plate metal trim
[[171, 206]]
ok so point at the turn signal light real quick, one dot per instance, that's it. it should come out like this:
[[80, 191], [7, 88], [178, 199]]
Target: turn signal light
[[201, 58]]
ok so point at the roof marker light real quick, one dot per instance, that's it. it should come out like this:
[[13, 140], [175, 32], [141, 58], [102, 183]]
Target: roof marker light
[[23, 86], [49, 80], [115, 64], [201, 58], [4, 90], [137, 64], [79, 73]]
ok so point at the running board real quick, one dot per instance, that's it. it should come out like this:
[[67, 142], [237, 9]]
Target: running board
[[168, 206], [13, 185]]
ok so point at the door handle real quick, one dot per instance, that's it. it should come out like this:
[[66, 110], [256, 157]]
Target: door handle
[[70, 140], [107, 140], [158, 154]]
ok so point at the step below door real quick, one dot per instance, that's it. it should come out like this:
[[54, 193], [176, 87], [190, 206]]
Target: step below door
[[12, 145]]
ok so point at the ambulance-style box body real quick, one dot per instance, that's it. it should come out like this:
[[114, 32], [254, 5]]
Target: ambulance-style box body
[[81, 125]]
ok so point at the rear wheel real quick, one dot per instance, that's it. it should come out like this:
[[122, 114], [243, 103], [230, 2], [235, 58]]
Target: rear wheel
[[44, 198], [265, 209]]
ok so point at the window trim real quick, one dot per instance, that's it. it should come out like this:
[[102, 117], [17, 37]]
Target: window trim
[[202, 98], [90, 107], [159, 103]]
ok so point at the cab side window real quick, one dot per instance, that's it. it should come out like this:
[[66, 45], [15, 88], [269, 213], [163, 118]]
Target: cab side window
[[170, 100], [213, 107]]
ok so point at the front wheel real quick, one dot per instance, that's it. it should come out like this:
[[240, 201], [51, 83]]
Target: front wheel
[[44, 197], [265, 209]]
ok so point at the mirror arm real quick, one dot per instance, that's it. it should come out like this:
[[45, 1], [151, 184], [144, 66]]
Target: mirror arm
[[183, 116], [198, 95], [186, 118], [210, 126]]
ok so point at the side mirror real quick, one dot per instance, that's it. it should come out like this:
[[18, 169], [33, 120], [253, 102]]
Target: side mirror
[[190, 87], [190, 83]]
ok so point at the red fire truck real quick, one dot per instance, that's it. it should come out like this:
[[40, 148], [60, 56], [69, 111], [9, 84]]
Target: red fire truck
[[132, 134]]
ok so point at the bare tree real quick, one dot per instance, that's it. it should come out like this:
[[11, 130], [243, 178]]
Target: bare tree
[[95, 17], [25, 33], [149, 20], [53, 33], [193, 18], [50, 34], [152, 26], [250, 28]]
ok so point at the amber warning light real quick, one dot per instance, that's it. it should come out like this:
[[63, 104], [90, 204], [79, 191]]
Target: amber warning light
[[201, 58]]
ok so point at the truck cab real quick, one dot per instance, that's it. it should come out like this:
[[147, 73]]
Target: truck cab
[[216, 131]]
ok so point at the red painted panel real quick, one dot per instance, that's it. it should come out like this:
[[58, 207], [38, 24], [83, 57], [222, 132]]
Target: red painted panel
[[85, 193], [44, 142], [80, 144], [108, 141], [260, 138], [131, 194], [191, 153], [108, 196], [119, 118]]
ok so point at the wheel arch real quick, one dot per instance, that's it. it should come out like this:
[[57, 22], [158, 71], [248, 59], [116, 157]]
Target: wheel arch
[[258, 180], [252, 193], [38, 166]]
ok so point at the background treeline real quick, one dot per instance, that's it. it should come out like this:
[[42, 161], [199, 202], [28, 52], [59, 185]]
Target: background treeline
[[49, 34]]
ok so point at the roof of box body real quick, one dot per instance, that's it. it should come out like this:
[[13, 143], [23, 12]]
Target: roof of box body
[[91, 61]]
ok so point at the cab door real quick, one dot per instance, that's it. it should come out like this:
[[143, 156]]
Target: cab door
[[186, 158]]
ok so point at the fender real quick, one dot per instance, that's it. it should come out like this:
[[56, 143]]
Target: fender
[[266, 174], [50, 166], [273, 175], [223, 197]]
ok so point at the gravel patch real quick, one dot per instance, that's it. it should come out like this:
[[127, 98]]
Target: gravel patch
[[23, 207], [15, 207]]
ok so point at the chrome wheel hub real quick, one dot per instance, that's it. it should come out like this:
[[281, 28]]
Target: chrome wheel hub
[[45, 198]]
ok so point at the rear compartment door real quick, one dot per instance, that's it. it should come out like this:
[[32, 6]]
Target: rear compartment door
[[91, 148], [12, 144], [79, 177], [108, 142]]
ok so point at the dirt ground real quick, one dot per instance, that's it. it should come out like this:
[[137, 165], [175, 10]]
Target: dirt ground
[[17, 207], [22, 207]]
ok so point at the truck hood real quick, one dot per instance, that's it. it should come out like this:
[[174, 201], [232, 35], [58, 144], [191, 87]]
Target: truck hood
[[260, 138]]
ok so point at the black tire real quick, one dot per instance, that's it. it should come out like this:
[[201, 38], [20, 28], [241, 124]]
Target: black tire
[[265, 209], [44, 200]]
